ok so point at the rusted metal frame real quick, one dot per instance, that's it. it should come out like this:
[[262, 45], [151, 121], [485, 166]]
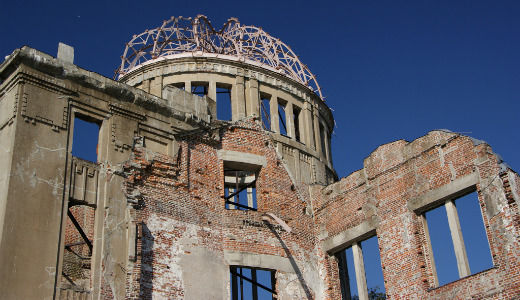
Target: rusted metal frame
[[239, 190], [80, 230], [233, 272], [68, 248], [241, 205], [75, 202], [229, 40], [68, 278]]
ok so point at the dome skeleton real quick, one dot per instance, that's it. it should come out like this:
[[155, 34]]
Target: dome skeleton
[[180, 35]]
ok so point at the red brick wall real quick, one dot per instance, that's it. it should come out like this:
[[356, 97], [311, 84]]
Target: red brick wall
[[398, 172], [186, 194]]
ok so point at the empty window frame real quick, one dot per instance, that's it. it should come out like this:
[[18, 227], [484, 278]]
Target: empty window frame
[[460, 218], [85, 138], [322, 140], [361, 275], [296, 120], [179, 85], [265, 111], [252, 283], [240, 189], [282, 119], [199, 88], [223, 102]]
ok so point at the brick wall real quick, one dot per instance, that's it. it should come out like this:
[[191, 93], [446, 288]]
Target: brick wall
[[183, 213], [380, 194]]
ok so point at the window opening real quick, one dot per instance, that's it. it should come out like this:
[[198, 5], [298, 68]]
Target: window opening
[[461, 219], [252, 283], [199, 89], [281, 118], [265, 111], [322, 139], [240, 189], [296, 118], [224, 103], [85, 139], [360, 271], [442, 245], [179, 85]]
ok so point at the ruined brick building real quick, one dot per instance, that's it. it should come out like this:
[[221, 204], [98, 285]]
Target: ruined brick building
[[213, 179]]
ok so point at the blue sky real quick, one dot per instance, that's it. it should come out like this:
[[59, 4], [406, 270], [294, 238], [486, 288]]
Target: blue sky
[[389, 69]]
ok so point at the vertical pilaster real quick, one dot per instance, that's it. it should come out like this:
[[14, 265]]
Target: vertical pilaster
[[275, 126], [252, 98], [289, 119], [187, 86], [238, 109], [307, 125], [212, 90]]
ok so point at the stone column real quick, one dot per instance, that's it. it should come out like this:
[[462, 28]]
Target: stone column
[[307, 125], [458, 240], [238, 109], [289, 119], [274, 114], [253, 98], [359, 267]]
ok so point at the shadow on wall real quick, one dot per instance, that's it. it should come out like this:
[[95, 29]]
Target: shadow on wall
[[293, 262], [147, 262]]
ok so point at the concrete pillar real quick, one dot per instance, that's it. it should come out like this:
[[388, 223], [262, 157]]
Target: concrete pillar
[[253, 98], [289, 119], [156, 86], [238, 107], [212, 90], [359, 267], [429, 249], [146, 85], [187, 86], [308, 125], [274, 114], [458, 240], [297, 165]]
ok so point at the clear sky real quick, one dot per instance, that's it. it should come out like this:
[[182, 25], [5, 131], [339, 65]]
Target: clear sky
[[389, 69]]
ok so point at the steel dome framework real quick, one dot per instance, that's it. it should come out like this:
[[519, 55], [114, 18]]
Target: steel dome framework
[[196, 35]]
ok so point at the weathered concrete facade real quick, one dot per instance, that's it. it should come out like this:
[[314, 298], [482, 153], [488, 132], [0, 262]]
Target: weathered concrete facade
[[152, 209]]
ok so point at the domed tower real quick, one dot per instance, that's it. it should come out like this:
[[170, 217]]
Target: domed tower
[[241, 71]]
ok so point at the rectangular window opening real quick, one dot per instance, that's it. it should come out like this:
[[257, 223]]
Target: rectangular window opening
[[85, 138], [199, 88], [179, 85], [252, 283], [265, 111], [296, 118], [470, 242], [322, 140], [240, 189], [282, 118], [362, 258], [223, 102]]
